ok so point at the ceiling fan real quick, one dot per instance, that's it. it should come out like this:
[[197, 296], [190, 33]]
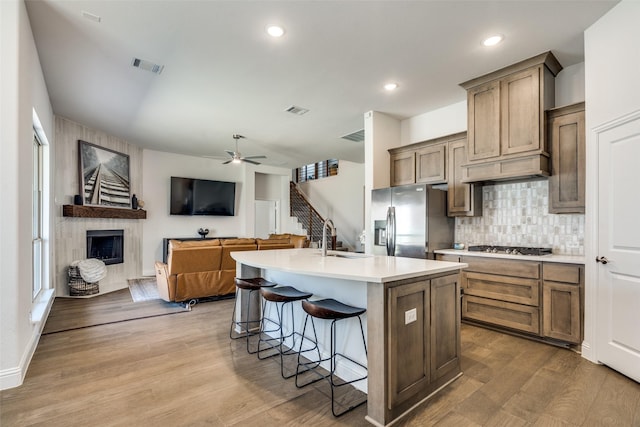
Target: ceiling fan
[[236, 157]]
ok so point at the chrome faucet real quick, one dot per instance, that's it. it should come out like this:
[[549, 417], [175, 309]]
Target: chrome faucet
[[327, 223]]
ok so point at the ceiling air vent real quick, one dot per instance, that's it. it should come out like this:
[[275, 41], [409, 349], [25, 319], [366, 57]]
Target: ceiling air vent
[[147, 65], [357, 136], [296, 110]]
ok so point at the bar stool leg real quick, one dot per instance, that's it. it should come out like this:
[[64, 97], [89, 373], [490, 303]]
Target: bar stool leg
[[311, 365], [332, 359], [244, 323], [281, 340]]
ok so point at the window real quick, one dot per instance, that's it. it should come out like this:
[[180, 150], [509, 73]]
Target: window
[[317, 170], [37, 216]]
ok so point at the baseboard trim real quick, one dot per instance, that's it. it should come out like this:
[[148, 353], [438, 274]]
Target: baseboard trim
[[13, 377]]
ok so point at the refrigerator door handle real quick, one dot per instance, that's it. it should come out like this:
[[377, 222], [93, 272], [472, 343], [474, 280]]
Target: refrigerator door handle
[[391, 231]]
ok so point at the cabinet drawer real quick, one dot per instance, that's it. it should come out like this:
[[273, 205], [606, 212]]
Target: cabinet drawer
[[514, 316], [447, 257], [515, 268], [567, 273], [503, 288]]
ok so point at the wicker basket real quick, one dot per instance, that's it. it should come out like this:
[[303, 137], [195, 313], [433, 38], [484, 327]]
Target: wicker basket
[[77, 285]]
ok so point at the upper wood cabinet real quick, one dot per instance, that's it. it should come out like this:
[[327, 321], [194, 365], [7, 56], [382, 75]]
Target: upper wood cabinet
[[431, 164], [506, 122], [439, 161], [483, 104], [462, 199], [566, 131], [403, 167]]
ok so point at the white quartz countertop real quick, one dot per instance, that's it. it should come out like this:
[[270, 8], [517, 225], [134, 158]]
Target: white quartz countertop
[[566, 259], [346, 265]]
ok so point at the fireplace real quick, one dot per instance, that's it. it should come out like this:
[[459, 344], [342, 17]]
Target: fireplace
[[106, 245]]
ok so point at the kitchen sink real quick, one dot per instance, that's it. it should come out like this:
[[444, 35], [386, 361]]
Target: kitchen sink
[[351, 255]]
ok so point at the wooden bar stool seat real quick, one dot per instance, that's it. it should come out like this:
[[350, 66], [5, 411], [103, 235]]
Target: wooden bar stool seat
[[335, 311]]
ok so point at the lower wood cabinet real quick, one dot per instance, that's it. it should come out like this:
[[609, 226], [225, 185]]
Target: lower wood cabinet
[[562, 295], [502, 292], [423, 325], [509, 315], [544, 299]]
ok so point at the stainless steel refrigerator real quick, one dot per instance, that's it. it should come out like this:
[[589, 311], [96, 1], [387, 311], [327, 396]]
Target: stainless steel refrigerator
[[410, 221]]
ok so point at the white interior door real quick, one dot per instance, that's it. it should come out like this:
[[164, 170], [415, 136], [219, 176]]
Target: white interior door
[[618, 312], [266, 215]]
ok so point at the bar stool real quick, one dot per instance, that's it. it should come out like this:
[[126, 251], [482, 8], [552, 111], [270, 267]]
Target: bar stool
[[252, 285], [280, 296], [333, 310]]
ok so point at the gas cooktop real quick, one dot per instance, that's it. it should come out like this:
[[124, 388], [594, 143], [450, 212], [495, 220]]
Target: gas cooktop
[[510, 250]]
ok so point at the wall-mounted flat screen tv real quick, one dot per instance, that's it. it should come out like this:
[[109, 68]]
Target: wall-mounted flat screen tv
[[190, 196]]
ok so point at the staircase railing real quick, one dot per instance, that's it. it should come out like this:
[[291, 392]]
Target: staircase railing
[[307, 215]]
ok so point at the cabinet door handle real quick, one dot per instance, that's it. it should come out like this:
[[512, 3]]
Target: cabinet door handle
[[602, 259]]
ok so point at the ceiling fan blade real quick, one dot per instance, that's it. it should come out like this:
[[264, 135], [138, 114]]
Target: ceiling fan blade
[[250, 161], [231, 153], [228, 161], [255, 157]]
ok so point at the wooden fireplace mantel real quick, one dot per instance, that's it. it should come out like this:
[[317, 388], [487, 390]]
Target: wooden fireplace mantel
[[81, 211]]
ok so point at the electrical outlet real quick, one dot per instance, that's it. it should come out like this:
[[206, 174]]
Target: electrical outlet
[[410, 316]]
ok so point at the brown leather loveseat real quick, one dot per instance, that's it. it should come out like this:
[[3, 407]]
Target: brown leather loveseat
[[204, 268]]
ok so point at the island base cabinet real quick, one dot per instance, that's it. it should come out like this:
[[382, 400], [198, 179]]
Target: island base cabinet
[[409, 359], [423, 324], [445, 322]]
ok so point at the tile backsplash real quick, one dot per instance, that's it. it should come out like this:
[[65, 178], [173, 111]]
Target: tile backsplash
[[517, 214]]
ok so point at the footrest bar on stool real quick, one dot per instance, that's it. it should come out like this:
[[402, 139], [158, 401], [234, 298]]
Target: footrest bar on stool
[[246, 331]]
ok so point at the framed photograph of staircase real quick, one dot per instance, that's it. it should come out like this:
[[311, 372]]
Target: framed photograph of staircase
[[104, 176]]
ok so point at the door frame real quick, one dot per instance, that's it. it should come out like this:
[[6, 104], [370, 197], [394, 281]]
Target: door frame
[[592, 241]]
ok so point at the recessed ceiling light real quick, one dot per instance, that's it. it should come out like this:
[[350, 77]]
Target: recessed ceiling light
[[391, 86], [493, 40], [275, 31]]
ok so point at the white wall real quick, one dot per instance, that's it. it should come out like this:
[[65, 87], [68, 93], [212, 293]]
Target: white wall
[[23, 91], [443, 121], [381, 132], [570, 85], [341, 198], [612, 61], [158, 168]]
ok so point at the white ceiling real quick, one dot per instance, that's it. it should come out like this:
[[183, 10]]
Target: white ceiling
[[224, 75]]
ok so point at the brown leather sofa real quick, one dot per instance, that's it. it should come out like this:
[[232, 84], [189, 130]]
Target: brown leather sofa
[[205, 268]]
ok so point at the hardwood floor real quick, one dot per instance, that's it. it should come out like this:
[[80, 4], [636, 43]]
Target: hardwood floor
[[182, 370], [75, 313]]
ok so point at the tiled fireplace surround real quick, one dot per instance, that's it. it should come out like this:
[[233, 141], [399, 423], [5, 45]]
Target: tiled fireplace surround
[[517, 214], [71, 233]]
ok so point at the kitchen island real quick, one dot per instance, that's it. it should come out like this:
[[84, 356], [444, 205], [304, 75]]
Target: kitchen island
[[412, 319]]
